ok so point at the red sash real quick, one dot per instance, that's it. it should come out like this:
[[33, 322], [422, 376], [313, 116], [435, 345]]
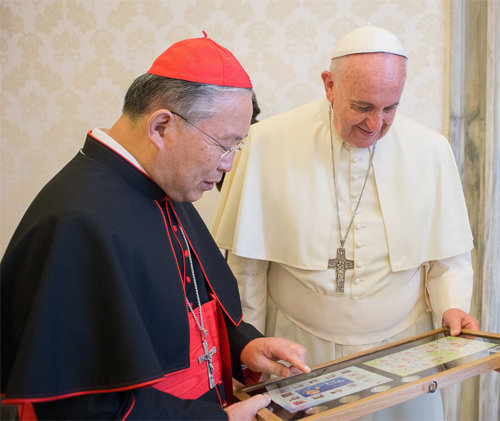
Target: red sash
[[192, 382]]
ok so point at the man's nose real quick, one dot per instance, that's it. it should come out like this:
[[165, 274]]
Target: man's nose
[[374, 121], [226, 162]]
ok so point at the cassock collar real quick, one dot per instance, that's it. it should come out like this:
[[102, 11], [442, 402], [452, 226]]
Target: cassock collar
[[95, 149], [102, 136]]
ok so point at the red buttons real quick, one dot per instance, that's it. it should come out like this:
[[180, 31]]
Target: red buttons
[[174, 228], [186, 253], [188, 279]]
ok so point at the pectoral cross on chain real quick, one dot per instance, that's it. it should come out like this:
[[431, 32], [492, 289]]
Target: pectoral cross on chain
[[207, 356], [340, 264]]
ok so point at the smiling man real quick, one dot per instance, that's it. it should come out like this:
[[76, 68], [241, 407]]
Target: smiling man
[[364, 102], [116, 301], [345, 221]]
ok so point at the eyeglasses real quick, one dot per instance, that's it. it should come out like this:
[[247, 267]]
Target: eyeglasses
[[226, 150]]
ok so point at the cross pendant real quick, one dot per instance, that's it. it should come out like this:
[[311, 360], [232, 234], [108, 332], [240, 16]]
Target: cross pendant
[[207, 356], [340, 264]]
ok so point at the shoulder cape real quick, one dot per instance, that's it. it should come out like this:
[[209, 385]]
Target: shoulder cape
[[277, 204], [91, 296]]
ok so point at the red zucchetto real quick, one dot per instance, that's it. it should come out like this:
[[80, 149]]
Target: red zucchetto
[[201, 60]]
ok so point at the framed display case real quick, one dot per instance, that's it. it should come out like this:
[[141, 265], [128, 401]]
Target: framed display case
[[366, 382]]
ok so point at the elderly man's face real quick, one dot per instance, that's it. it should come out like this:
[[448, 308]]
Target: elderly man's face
[[192, 163], [365, 94]]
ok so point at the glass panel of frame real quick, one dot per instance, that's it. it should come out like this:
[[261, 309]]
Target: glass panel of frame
[[334, 385]]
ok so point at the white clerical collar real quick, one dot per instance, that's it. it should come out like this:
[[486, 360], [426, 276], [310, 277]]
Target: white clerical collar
[[105, 138]]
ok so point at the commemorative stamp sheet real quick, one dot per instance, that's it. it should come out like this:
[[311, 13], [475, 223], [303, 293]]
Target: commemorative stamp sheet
[[431, 354], [324, 388]]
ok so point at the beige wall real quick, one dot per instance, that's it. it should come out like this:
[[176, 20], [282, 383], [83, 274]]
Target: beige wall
[[66, 66]]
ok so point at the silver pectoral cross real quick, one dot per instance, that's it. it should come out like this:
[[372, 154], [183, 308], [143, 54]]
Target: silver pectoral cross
[[207, 356], [340, 264]]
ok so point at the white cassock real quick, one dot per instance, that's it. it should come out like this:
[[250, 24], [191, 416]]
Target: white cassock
[[410, 240]]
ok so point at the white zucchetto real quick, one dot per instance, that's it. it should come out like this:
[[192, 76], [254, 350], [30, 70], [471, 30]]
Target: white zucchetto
[[369, 39]]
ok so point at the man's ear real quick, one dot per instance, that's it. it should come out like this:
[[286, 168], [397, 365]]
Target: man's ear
[[159, 123], [326, 76]]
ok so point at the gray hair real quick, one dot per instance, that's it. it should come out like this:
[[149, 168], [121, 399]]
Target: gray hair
[[194, 101], [339, 64]]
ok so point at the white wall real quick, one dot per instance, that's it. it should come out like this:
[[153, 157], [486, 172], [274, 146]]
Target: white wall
[[67, 64]]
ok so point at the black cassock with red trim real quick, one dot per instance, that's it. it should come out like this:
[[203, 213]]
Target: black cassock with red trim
[[94, 289]]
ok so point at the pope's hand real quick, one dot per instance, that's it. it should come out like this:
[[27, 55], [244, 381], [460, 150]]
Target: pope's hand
[[262, 354], [457, 320], [246, 410]]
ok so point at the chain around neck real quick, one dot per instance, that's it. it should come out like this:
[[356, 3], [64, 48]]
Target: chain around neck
[[368, 171], [200, 321]]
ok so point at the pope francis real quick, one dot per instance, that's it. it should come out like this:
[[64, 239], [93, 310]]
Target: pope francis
[[345, 221]]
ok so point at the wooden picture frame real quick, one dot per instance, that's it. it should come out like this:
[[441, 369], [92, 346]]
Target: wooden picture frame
[[379, 377]]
